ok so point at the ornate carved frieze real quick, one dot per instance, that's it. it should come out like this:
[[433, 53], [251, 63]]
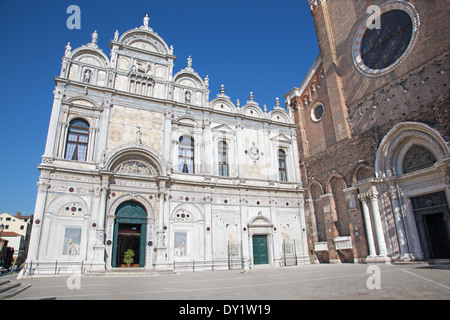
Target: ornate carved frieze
[[136, 168]]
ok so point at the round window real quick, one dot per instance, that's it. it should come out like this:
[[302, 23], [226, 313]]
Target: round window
[[317, 112], [380, 47]]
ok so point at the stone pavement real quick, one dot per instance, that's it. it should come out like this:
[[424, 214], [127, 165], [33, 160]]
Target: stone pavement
[[324, 281]]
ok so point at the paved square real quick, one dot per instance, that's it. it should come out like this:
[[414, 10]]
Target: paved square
[[345, 281]]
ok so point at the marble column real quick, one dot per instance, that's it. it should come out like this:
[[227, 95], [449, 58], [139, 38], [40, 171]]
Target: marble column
[[35, 237], [374, 195], [369, 231]]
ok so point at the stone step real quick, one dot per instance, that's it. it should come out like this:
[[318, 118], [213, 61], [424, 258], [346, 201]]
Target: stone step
[[10, 288], [128, 272]]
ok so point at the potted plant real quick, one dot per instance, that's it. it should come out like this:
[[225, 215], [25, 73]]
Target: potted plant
[[128, 257]]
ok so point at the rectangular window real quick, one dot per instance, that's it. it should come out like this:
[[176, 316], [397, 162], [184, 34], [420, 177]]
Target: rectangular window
[[282, 165], [222, 156], [186, 155]]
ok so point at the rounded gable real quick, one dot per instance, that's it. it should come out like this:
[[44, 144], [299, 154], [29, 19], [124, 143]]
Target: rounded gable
[[145, 40], [223, 104], [188, 79], [252, 110], [90, 56], [279, 116]]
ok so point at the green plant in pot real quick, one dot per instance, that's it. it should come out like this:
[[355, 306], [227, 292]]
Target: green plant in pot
[[128, 257]]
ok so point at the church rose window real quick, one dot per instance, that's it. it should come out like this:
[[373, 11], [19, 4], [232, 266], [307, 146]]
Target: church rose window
[[77, 140], [382, 47], [317, 112], [379, 49]]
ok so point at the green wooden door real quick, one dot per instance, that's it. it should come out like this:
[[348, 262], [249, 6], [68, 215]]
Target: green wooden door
[[133, 214], [260, 252]]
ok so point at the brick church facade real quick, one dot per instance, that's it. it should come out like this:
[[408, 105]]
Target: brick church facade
[[373, 125]]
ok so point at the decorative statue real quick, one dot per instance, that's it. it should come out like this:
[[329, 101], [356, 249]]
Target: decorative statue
[[87, 76], [68, 49], [189, 62], [94, 37], [116, 35], [187, 97], [146, 20], [139, 137]]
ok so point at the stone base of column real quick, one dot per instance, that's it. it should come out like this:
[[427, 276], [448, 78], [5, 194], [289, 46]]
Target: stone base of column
[[378, 259]]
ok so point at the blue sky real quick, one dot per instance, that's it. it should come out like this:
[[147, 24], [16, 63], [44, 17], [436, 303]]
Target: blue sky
[[266, 47]]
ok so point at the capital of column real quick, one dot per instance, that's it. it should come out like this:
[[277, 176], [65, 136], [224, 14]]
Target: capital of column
[[373, 195]]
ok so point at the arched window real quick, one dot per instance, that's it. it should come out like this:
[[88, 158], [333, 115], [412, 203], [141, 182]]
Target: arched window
[[77, 140], [417, 158], [223, 159], [282, 165], [186, 155]]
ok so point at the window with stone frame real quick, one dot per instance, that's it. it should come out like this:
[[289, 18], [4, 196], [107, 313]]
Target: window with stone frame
[[223, 159], [77, 140], [186, 163], [282, 165]]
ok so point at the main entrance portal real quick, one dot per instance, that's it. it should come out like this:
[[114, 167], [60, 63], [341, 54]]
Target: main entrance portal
[[433, 224], [129, 233]]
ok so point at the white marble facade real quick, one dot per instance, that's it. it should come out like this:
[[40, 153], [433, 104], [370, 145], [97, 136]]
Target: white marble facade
[[144, 126]]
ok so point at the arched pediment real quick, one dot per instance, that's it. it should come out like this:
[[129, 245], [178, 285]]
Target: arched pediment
[[188, 79], [144, 40], [71, 205], [260, 221], [186, 212], [279, 116], [223, 104], [90, 56], [135, 161], [252, 110]]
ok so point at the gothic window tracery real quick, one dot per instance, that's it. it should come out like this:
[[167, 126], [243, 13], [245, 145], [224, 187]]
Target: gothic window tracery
[[382, 47]]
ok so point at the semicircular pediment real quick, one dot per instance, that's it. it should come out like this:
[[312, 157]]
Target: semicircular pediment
[[145, 40]]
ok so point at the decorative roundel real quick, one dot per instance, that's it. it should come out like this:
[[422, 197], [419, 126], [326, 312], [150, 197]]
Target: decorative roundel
[[317, 112], [380, 47], [72, 209], [184, 216], [254, 153]]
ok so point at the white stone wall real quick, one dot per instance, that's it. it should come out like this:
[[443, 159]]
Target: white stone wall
[[133, 156]]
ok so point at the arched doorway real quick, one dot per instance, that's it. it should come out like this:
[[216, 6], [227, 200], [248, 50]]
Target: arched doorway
[[130, 225]]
